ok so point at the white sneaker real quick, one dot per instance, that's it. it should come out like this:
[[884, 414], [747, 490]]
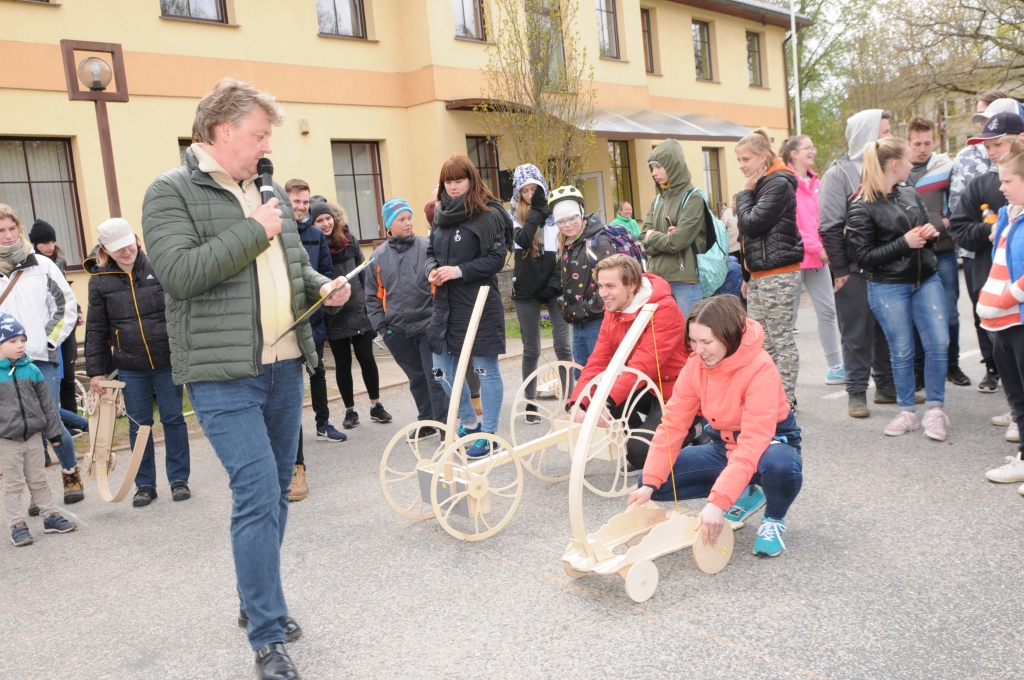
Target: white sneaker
[[905, 422], [1011, 472], [1012, 433], [1020, 489], [1002, 421]]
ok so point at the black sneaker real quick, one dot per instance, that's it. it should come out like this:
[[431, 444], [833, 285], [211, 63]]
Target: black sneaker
[[33, 509], [530, 410], [351, 419], [180, 491], [957, 377], [144, 495], [990, 383], [75, 432], [425, 432], [378, 413]]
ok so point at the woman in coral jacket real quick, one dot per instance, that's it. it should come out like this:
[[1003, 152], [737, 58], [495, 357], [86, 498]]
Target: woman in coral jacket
[[738, 389]]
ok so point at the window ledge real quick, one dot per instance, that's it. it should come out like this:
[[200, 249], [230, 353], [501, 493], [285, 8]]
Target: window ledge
[[190, 20], [474, 40], [346, 37], [760, 87], [655, 73], [40, 2], [709, 82], [621, 61]]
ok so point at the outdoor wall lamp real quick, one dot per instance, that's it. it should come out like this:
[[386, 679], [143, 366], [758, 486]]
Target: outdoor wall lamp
[[95, 73]]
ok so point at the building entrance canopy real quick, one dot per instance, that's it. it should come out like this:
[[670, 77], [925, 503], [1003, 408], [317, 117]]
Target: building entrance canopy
[[645, 124]]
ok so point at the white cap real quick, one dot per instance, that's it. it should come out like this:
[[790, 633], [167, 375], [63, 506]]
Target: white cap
[[115, 234], [565, 209], [998, 106]]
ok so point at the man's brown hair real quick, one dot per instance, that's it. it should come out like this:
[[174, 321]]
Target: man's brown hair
[[229, 102], [726, 318], [989, 96], [919, 124], [629, 269], [294, 186]]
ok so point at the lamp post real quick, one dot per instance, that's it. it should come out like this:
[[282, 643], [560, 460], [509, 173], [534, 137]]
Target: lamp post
[[796, 62], [96, 75]]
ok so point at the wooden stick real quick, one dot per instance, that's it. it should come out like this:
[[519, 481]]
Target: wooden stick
[[464, 357]]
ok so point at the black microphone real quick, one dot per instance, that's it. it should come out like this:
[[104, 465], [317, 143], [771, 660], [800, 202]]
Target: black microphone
[[265, 169]]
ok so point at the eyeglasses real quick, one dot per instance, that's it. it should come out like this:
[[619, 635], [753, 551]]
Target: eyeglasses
[[566, 221], [807, 148]]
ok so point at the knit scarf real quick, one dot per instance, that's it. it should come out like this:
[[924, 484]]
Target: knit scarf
[[11, 256]]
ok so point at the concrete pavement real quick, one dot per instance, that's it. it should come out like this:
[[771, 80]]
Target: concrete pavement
[[900, 564]]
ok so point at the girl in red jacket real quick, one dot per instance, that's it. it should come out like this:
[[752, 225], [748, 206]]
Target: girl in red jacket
[[738, 389]]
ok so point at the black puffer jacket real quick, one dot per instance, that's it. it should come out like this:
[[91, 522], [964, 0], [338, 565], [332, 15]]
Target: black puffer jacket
[[126, 312], [351, 319], [967, 225], [767, 221], [875, 231], [455, 241]]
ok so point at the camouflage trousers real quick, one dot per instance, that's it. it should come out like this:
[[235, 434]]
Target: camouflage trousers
[[770, 302]]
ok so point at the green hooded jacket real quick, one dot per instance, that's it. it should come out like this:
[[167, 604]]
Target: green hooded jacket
[[203, 250], [671, 256]]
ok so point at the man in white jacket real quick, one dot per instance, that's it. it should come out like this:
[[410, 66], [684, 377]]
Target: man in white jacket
[[38, 295]]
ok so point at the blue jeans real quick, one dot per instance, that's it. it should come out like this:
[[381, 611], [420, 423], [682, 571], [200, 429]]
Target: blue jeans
[[733, 284], [139, 388], [686, 295], [779, 471], [584, 339], [66, 451], [253, 424], [71, 419], [492, 390], [893, 304]]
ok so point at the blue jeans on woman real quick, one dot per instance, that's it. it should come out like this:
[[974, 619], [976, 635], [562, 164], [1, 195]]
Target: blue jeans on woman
[[893, 304], [71, 419], [492, 390], [779, 471], [139, 388], [253, 424], [66, 451], [686, 295], [584, 339]]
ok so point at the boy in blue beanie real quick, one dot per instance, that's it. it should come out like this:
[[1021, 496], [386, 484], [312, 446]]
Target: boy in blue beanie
[[26, 408]]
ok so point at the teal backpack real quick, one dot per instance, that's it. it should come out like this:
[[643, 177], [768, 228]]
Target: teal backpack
[[713, 263]]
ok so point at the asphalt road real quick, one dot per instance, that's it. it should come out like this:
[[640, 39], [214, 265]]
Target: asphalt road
[[900, 564]]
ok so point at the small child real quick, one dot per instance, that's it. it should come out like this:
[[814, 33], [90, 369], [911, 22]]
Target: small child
[[26, 408]]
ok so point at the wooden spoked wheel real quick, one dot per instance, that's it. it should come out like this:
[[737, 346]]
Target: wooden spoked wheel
[[399, 477], [474, 498], [549, 464], [606, 465]]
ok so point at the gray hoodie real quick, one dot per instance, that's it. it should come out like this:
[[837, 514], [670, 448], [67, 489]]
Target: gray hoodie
[[838, 184]]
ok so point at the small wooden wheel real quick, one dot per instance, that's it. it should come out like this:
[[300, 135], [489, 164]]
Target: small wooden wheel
[[641, 581], [399, 479], [712, 559], [572, 573], [549, 464], [474, 498], [607, 472]]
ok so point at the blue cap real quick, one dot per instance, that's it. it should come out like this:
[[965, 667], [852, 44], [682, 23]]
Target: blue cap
[[10, 328], [391, 210]]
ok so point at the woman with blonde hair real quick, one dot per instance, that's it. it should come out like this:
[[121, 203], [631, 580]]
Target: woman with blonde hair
[[894, 244], [772, 249]]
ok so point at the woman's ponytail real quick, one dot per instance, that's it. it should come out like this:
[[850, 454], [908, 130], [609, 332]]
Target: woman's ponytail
[[877, 155]]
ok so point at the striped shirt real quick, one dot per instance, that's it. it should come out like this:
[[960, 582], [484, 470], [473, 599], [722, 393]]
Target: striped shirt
[[1000, 299]]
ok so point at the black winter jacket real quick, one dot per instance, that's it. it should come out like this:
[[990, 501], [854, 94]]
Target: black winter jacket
[[455, 241], [968, 230], [534, 277], [351, 320], [876, 231], [767, 221], [126, 312], [315, 243], [580, 300]]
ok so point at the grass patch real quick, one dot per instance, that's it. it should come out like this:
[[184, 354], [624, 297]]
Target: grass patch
[[512, 329]]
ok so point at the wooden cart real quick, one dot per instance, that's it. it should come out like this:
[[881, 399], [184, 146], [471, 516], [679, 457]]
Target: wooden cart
[[101, 460]]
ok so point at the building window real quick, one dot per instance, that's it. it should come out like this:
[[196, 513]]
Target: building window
[[469, 19], [645, 24], [484, 154], [341, 17], [547, 53], [702, 49], [37, 179], [754, 58], [359, 186], [622, 177], [183, 145], [607, 29], [200, 10], [712, 178]]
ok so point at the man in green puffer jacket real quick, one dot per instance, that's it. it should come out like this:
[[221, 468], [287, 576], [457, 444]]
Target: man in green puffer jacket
[[674, 232], [236, 277]]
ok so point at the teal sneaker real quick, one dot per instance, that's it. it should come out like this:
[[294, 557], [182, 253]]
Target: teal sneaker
[[481, 448], [769, 537], [836, 376], [463, 431], [746, 505]]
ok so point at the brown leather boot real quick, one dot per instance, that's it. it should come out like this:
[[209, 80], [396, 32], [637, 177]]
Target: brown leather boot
[[299, 488], [73, 489]]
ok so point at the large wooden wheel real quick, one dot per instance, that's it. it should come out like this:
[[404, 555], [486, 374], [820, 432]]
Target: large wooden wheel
[[474, 498], [552, 463], [399, 469], [101, 461], [606, 465]]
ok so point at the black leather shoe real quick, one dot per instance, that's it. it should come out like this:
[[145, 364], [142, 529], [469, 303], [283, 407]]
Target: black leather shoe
[[144, 496], [292, 631], [273, 663]]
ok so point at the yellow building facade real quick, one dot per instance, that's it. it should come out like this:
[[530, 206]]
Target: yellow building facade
[[372, 115]]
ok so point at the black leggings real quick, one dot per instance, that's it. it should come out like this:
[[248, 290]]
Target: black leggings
[[362, 345]]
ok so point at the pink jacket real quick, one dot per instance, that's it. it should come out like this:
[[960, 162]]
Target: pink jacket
[[807, 220]]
